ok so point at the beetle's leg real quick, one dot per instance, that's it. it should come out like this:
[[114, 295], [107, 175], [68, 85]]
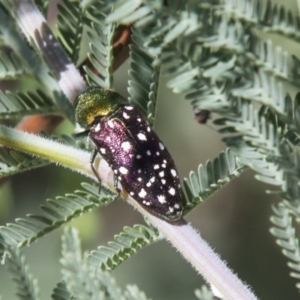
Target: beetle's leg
[[81, 134], [92, 160]]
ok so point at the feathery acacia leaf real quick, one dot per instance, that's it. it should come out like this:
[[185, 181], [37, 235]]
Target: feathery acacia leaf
[[101, 56], [125, 245], [82, 279], [143, 89], [18, 104], [11, 66], [210, 178], [284, 214], [132, 292], [281, 20], [79, 278], [70, 27], [61, 292], [58, 211], [26, 285], [13, 162]]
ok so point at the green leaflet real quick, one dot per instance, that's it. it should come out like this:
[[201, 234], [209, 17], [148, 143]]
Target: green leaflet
[[58, 211], [26, 285], [209, 178], [284, 214], [125, 245]]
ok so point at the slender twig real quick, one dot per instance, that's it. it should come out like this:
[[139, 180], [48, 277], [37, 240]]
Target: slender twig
[[182, 236], [37, 32]]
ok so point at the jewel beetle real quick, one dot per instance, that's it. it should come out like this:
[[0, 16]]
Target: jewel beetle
[[138, 158]]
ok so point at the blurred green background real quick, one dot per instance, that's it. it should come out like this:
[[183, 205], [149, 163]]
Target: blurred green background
[[234, 221]]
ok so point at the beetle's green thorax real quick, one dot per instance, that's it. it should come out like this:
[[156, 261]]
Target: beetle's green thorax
[[96, 102]]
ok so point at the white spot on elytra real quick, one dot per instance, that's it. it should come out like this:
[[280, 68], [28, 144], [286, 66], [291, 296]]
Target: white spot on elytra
[[172, 191], [157, 153], [146, 203], [173, 172], [142, 193], [139, 170], [97, 128], [102, 150], [129, 107], [161, 146], [126, 146], [164, 161], [162, 199], [163, 181], [139, 179], [148, 184], [162, 174], [138, 156], [176, 206], [139, 119], [163, 165], [125, 115], [142, 137], [116, 171], [148, 129], [156, 167], [123, 170], [171, 209], [110, 124], [148, 152], [131, 193], [152, 179]]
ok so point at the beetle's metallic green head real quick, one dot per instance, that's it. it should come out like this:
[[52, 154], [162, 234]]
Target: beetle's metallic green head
[[94, 103]]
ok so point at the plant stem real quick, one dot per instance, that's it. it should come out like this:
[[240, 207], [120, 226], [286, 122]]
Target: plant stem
[[183, 237], [34, 27]]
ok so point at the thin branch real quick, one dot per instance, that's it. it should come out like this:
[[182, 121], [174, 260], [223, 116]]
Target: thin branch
[[34, 26], [207, 262], [182, 236]]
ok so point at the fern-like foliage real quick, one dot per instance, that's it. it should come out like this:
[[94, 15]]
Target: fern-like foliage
[[58, 211], [143, 89], [210, 178], [12, 162], [11, 65], [281, 20], [78, 276], [267, 16], [16, 105], [22, 66], [284, 214], [86, 282], [126, 244], [226, 68], [72, 20], [26, 285], [61, 292], [132, 292], [70, 27], [101, 56]]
